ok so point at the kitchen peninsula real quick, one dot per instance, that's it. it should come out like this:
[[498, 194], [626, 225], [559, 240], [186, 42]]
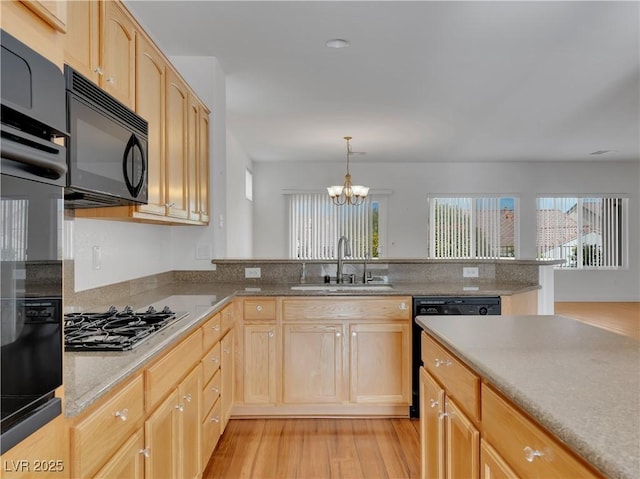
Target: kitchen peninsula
[[576, 382]]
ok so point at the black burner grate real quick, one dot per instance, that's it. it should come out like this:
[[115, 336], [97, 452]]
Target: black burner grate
[[113, 330]]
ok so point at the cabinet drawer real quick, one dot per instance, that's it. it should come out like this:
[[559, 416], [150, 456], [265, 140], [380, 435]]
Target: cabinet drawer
[[211, 392], [229, 317], [388, 308], [260, 308], [211, 331], [211, 430], [519, 441], [165, 374], [110, 424], [211, 362], [460, 383]]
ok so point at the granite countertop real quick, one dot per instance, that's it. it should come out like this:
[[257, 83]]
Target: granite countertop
[[89, 375], [580, 382]]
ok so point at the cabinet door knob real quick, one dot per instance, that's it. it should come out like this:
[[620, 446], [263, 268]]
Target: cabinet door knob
[[442, 362], [434, 403], [122, 414], [215, 359], [354, 334], [530, 454], [259, 308], [215, 419], [146, 452], [180, 407], [338, 334], [403, 306], [187, 397], [442, 415], [111, 80], [216, 327], [169, 205], [98, 70], [215, 390], [271, 334]]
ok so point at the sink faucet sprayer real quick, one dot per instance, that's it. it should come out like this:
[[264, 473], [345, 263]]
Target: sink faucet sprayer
[[343, 243]]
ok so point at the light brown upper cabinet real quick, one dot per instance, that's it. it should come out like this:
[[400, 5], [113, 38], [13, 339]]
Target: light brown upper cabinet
[[176, 141], [105, 44], [101, 45]]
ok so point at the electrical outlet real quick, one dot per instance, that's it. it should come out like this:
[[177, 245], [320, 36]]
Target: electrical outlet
[[470, 272], [252, 272]]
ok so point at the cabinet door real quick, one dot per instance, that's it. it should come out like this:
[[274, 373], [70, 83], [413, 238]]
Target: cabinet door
[[492, 466], [203, 164], [463, 444], [226, 369], [312, 368], [161, 436], [177, 108], [81, 49], [150, 97], [189, 402], [192, 159], [432, 448], [118, 53], [128, 461], [259, 363], [380, 363]]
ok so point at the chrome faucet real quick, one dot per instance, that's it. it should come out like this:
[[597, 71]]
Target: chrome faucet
[[343, 244]]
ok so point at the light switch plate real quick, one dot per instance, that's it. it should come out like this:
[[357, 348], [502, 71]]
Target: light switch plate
[[252, 272], [470, 272]]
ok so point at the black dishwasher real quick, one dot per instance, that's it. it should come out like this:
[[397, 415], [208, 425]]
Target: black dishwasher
[[442, 305]]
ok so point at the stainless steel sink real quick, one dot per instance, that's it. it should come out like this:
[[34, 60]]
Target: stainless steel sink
[[342, 287]]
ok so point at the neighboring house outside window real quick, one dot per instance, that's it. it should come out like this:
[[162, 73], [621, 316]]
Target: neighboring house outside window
[[586, 232], [316, 225], [473, 227]]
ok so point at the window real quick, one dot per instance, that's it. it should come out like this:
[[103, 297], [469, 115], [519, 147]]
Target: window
[[469, 227], [586, 232], [316, 225], [248, 185]]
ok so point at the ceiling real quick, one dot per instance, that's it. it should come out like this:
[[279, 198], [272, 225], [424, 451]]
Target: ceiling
[[441, 81]]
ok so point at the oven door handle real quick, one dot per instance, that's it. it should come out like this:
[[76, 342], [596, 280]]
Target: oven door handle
[[32, 151]]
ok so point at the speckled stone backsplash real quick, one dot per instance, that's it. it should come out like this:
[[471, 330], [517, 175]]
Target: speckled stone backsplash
[[290, 272]]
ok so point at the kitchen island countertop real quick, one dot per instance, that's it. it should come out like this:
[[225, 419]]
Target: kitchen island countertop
[[580, 382]]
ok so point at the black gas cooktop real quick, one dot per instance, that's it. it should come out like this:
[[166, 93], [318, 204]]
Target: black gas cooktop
[[113, 330]]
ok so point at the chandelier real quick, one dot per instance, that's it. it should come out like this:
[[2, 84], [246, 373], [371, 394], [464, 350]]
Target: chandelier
[[348, 193]]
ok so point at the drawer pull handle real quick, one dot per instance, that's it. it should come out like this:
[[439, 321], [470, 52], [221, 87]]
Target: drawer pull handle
[[180, 407], [187, 397], [258, 308], [442, 362], [530, 454], [146, 452], [403, 306], [124, 414], [215, 419], [434, 403]]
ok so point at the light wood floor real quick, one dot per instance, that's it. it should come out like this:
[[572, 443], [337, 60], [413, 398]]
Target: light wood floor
[[317, 449], [620, 318]]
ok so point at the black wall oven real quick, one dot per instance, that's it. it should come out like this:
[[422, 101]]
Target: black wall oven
[[32, 178]]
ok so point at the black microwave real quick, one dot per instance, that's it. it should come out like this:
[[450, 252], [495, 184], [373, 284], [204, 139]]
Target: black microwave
[[107, 150]]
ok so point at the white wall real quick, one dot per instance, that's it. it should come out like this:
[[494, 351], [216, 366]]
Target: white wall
[[412, 183], [239, 208]]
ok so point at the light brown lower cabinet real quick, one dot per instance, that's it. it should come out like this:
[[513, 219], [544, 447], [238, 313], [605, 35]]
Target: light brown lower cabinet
[[450, 441], [161, 439], [128, 461], [513, 445], [227, 377]]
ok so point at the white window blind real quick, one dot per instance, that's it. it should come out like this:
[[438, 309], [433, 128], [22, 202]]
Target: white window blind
[[586, 232], [467, 227], [316, 225]]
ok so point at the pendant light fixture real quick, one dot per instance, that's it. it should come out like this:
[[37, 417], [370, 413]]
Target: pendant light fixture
[[348, 194]]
